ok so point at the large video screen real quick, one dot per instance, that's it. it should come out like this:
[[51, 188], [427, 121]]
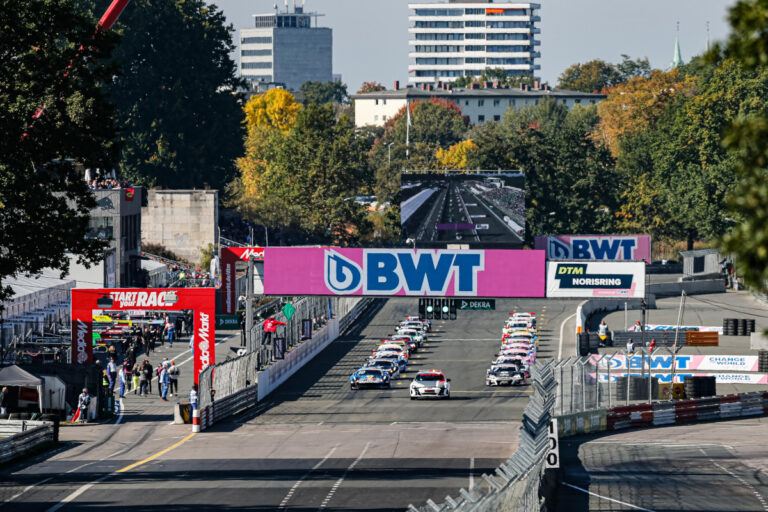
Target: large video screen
[[482, 209]]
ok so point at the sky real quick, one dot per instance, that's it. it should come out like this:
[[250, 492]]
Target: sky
[[370, 37]]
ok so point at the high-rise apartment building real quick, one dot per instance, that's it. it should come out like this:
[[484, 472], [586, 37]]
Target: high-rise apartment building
[[287, 48], [452, 39]]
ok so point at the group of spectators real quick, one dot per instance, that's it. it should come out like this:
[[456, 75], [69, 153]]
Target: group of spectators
[[186, 276], [108, 184], [512, 200]]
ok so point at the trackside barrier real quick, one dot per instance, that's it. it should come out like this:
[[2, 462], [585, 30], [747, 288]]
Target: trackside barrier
[[660, 414], [517, 483], [238, 385], [24, 436]]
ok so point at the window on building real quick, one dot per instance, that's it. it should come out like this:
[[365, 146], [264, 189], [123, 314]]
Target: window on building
[[376, 118], [511, 103], [257, 65], [474, 12], [256, 40], [480, 119], [474, 48], [578, 102], [439, 37], [474, 24], [466, 103], [474, 36], [384, 101], [376, 101], [480, 103], [254, 53], [383, 118], [592, 102], [497, 118], [496, 103], [101, 228], [474, 60]]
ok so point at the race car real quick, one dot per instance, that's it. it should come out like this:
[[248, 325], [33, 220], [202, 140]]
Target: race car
[[404, 340], [415, 318], [369, 377], [395, 357], [401, 349], [388, 366], [510, 347], [509, 374], [414, 324], [418, 342], [430, 384], [417, 335], [529, 318]]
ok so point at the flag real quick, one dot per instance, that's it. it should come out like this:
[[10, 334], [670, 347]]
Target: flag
[[129, 193], [288, 310], [408, 113]]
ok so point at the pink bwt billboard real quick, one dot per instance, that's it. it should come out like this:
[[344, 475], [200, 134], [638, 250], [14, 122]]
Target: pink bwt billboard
[[596, 247], [404, 272]]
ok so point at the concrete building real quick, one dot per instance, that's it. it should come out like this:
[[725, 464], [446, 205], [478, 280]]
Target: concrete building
[[452, 39], [182, 221], [286, 48], [117, 217], [479, 104]]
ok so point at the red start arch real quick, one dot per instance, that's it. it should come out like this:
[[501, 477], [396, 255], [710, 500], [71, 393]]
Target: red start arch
[[202, 302]]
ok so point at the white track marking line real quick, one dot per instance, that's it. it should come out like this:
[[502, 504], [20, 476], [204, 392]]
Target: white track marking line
[[737, 477], [288, 496], [607, 498], [77, 493], [562, 326], [341, 479], [26, 489], [471, 474]]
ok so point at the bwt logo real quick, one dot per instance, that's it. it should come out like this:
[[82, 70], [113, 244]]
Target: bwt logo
[[203, 335], [387, 272], [82, 334], [592, 248]]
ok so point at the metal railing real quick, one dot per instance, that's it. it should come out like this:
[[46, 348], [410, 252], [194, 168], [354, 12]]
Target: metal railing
[[25, 435], [516, 483]]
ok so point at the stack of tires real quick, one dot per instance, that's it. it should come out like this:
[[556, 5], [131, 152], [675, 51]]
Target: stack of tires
[[698, 387], [738, 326], [638, 388], [762, 361]]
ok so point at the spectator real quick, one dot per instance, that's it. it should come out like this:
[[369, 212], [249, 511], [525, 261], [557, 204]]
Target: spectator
[[4, 401], [145, 377], [136, 374], [83, 401], [122, 378], [193, 400], [163, 381], [173, 373], [112, 371], [630, 346]]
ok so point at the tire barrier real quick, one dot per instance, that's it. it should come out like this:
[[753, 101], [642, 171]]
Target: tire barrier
[[762, 361], [698, 387], [738, 326]]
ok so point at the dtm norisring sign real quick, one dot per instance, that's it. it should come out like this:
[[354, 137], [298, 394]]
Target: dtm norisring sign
[[596, 279], [403, 272]]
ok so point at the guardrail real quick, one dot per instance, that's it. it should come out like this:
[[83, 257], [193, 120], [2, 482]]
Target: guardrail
[[25, 435], [238, 383], [517, 482]]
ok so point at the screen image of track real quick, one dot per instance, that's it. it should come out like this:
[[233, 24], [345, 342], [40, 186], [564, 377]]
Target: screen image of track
[[477, 208]]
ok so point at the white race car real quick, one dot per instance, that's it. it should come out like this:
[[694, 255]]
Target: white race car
[[430, 384], [501, 374]]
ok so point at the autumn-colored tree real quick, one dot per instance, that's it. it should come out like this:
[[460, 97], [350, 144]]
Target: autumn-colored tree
[[591, 76], [634, 106], [275, 109], [371, 87], [455, 157]]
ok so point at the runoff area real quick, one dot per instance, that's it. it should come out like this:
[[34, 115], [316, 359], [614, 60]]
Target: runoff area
[[464, 379]]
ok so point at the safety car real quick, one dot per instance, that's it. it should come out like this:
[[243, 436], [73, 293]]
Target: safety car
[[430, 384]]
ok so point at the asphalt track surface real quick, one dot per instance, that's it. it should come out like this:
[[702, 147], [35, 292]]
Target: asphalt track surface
[[315, 444], [706, 467], [454, 203]]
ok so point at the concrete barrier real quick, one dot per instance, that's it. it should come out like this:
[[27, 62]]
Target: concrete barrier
[[23, 437]]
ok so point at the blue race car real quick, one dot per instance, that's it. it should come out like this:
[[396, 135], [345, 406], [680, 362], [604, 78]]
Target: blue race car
[[369, 377]]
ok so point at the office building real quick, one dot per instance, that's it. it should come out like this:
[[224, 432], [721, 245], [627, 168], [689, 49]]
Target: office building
[[286, 48], [452, 39], [478, 104]]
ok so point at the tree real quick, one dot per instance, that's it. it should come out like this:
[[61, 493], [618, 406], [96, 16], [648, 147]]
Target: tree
[[179, 119], [635, 105], [44, 200], [493, 147], [323, 92], [371, 87], [747, 142], [304, 179], [457, 155], [275, 109], [597, 74], [591, 76]]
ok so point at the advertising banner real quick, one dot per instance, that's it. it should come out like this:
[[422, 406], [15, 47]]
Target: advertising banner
[[683, 328], [720, 378], [682, 362], [403, 272], [596, 247], [596, 279], [199, 300], [229, 258]]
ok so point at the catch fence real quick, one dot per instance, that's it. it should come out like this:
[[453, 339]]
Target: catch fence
[[517, 483]]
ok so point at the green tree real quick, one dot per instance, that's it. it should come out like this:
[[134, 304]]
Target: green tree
[[493, 147], [308, 176], [179, 120], [747, 141], [44, 200], [597, 74], [323, 92]]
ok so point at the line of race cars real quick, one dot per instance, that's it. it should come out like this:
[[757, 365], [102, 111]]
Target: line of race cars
[[390, 358], [519, 343]]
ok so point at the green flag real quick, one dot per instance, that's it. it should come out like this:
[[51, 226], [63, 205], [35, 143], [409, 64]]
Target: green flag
[[288, 310]]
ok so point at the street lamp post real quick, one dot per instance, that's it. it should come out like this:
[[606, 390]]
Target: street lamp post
[[389, 152]]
